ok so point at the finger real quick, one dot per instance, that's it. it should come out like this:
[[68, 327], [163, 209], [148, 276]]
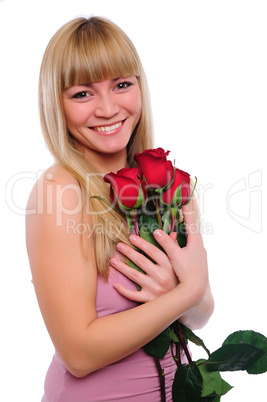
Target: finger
[[167, 243], [138, 277], [136, 257], [137, 296], [173, 236], [190, 223], [141, 260], [149, 249], [131, 273]]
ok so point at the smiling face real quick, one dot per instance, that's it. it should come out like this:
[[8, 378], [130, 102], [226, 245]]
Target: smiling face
[[92, 84], [102, 117]]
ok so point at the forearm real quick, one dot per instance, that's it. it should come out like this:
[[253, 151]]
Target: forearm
[[198, 316], [111, 338]]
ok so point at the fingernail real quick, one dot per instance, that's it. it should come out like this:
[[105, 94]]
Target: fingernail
[[157, 233], [114, 262], [133, 238], [120, 246]]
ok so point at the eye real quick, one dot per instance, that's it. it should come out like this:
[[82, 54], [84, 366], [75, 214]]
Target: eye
[[80, 95], [123, 85]]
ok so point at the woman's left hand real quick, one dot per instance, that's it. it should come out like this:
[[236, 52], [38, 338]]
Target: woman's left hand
[[159, 277]]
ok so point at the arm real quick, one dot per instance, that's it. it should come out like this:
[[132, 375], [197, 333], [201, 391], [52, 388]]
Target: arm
[[65, 279], [198, 316]]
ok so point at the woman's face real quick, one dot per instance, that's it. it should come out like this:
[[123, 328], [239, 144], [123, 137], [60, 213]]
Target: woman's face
[[102, 116]]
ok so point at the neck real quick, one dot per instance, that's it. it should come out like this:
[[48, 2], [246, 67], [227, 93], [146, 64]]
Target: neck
[[106, 163]]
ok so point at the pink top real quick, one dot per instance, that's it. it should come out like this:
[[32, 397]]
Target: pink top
[[134, 378]]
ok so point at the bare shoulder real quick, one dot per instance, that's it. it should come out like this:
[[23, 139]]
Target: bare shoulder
[[55, 184], [64, 276], [56, 214]]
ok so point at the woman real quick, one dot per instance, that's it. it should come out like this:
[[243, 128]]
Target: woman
[[95, 116]]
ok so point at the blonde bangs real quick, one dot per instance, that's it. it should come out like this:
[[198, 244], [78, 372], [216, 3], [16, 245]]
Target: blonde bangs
[[96, 52]]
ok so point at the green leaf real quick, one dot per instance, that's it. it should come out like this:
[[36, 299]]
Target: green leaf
[[213, 384], [225, 387], [234, 357], [216, 398], [130, 222], [151, 223], [147, 225], [187, 384], [188, 334], [212, 381], [260, 366], [159, 346], [181, 234], [173, 336], [251, 338]]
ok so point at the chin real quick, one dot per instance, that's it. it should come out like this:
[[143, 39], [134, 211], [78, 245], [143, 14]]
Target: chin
[[116, 148]]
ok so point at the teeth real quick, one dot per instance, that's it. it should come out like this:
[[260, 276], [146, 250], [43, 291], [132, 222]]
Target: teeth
[[108, 128]]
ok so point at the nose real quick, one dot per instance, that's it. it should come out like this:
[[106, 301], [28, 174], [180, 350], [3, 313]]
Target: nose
[[106, 106]]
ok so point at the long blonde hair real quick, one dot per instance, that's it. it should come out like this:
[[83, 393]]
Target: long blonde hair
[[86, 51]]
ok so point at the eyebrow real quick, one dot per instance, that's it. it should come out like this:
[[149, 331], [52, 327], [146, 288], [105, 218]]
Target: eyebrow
[[89, 85]]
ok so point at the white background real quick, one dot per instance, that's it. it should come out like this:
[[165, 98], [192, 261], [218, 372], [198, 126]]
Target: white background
[[206, 64]]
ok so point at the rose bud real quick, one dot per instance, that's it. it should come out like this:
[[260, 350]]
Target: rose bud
[[178, 194], [128, 189], [158, 172]]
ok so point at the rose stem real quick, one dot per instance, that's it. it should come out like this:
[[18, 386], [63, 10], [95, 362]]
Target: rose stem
[[134, 219], [182, 340], [158, 213], [161, 379], [173, 216]]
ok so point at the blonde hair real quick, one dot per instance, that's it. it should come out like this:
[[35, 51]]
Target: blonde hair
[[86, 51]]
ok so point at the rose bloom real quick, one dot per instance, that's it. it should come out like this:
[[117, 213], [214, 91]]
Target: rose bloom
[[158, 172], [179, 192], [128, 189]]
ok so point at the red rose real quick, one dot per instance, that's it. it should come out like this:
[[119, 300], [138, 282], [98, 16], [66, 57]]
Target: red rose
[[128, 189], [158, 172], [179, 192]]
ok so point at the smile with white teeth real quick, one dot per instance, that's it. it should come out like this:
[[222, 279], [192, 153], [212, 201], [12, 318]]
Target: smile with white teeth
[[108, 128]]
